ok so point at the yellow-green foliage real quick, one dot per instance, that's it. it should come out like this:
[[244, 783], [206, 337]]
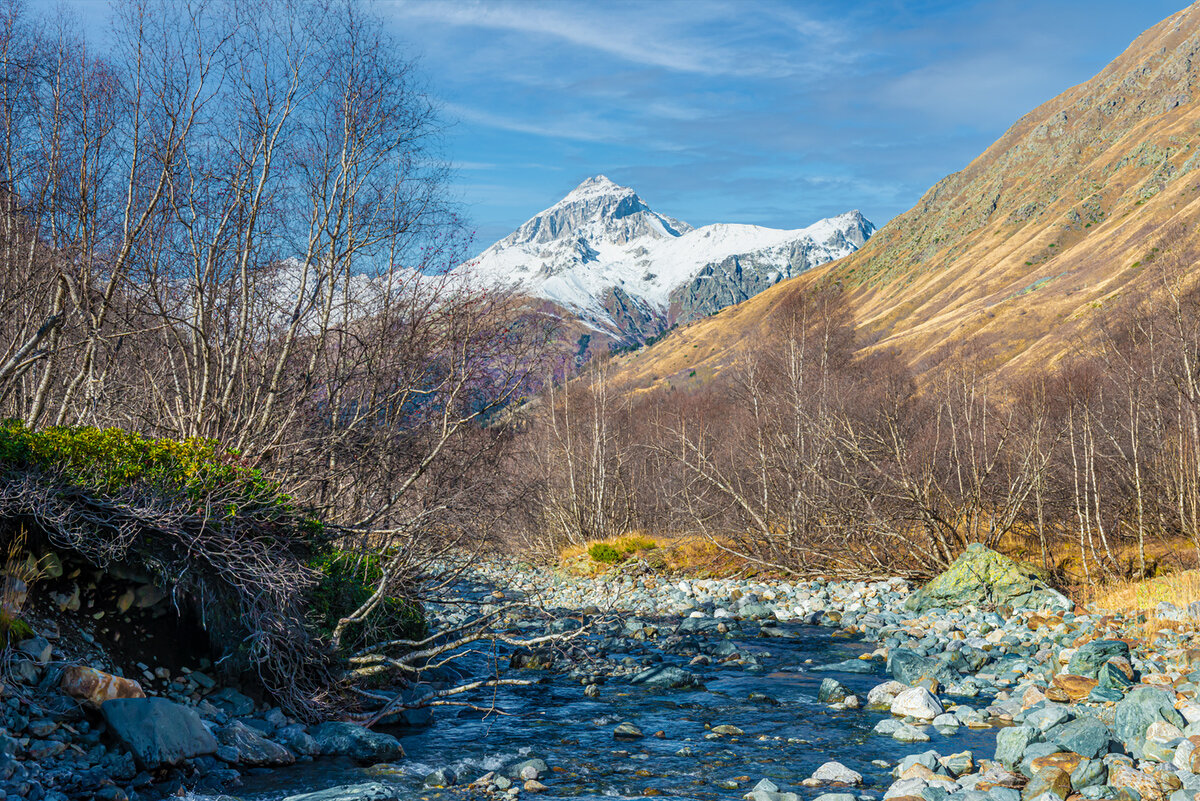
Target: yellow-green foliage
[[605, 553], [108, 460], [610, 553], [633, 544]]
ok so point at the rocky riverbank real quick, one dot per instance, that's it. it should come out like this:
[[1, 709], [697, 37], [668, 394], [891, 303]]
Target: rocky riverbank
[[1087, 705]]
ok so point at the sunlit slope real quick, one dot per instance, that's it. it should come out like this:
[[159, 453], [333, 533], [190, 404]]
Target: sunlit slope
[[1016, 253]]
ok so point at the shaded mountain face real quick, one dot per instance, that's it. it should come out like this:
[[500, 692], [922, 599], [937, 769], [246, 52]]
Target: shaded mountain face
[[1081, 203], [629, 273]]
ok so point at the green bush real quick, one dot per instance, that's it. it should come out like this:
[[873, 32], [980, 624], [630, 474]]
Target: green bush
[[111, 460], [604, 553], [348, 580]]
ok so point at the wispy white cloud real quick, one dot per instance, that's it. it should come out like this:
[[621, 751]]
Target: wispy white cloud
[[694, 37], [575, 126]]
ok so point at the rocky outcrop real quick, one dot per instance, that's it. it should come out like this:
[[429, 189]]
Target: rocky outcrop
[[983, 577], [742, 276]]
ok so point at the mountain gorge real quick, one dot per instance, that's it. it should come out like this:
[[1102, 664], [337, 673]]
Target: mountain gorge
[[1080, 204], [628, 272]]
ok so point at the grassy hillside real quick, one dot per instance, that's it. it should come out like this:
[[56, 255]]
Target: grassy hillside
[[1083, 201]]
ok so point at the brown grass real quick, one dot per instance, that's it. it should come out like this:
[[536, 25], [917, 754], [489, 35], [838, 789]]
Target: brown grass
[[673, 554], [1180, 589]]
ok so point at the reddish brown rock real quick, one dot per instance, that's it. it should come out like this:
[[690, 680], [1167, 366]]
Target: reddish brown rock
[[96, 686], [1063, 760], [1075, 687]]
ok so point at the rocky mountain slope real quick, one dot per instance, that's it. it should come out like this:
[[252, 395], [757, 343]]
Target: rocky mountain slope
[[629, 272], [1082, 201]]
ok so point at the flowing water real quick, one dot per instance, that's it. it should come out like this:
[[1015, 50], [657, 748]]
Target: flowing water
[[788, 734]]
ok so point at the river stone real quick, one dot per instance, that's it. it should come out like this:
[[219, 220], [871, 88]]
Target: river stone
[[1087, 737], [765, 786], [1033, 753], [832, 691], [529, 769], [1089, 773], [665, 677], [232, 702], [887, 727], [1144, 705], [1011, 743], [442, 777], [917, 702], [755, 612], [909, 734], [1121, 776], [1051, 780], [848, 666], [156, 731], [298, 741], [836, 773], [1088, 658], [981, 576], [884, 694], [909, 668], [1114, 678], [1187, 755], [1046, 716], [627, 731], [252, 748], [371, 791], [96, 687], [362, 745]]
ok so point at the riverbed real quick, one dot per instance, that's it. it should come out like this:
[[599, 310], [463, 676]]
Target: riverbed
[[762, 680]]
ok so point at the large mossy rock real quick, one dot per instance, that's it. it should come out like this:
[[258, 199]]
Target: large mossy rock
[[982, 577]]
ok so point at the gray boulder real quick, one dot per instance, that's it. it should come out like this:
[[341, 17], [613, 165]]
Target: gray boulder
[[1087, 737], [909, 667], [371, 791], [232, 702], [665, 677], [1086, 661], [832, 691], [1144, 705], [362, 745], [982, 577], [156, 731], [1011, 744], [252, 748]]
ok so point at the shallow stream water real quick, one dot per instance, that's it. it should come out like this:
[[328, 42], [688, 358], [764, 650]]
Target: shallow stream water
[[786, 737]]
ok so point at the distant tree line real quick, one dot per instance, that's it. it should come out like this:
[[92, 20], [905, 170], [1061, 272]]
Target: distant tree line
[[815, 454]]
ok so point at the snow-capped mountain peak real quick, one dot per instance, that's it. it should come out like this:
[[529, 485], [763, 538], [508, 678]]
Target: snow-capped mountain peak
[[629, 271]]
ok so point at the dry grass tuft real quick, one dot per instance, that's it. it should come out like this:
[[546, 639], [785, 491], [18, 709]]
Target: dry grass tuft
[[669, 554], [1180, 589]]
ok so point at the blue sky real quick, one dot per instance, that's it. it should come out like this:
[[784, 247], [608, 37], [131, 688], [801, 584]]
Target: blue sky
[[753, 111]]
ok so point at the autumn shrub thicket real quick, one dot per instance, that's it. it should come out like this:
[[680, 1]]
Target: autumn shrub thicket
[[815, 454]]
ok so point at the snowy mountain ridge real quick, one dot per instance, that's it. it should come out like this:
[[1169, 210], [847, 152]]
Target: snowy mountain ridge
[[631, 272]]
